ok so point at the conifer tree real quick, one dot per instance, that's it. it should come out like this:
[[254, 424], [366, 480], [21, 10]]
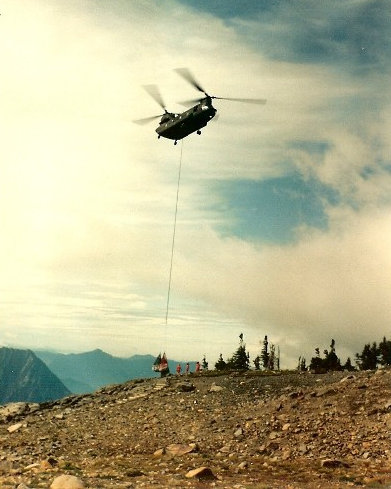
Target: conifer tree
[[265, 353], [348, 365], [204, 363], [385, 352], [302, 365], [220, 364], [241, 358], [368, 359], [329, 362], [316, 363], [272, 357], [257, 362]]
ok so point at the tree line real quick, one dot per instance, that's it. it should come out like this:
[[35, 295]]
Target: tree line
[[372, 356], [269, 358]]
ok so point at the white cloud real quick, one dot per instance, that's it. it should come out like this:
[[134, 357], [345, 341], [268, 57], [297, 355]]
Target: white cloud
[[87, 198]]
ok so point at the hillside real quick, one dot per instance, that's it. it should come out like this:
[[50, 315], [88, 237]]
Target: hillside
[[88, 371], [286, 431], [24, 377]]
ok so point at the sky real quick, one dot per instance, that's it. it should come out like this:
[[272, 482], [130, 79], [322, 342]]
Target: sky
[[284, 210]]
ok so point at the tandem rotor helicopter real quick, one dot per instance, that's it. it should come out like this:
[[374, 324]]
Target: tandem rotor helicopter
[[178, 126]]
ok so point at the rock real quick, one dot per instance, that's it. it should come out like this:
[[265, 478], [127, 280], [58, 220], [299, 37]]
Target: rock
[[202, 473], [216, 388], [49, 463], [179, 449], [118, 443], [13, 409], [14, 427], [22, 486], [333, 463], [186, 387], [243, 465], [67, 482], [348, 377], [30, 467], [160, 452]]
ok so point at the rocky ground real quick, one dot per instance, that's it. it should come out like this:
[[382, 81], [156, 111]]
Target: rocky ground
[[239, 431]]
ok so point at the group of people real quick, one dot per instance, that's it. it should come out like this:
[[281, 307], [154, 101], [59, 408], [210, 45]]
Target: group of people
[[187, 368]]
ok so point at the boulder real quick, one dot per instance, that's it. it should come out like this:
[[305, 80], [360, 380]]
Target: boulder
[[67, 482], [186, 387], [202, 473], [216, 388], [333, 463], [14, 427], [179, 449]]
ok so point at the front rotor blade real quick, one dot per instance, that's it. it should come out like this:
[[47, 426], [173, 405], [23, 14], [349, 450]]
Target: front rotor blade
[[189, 103], [189, 77], [154, 92], [146, 120], [257, 101]]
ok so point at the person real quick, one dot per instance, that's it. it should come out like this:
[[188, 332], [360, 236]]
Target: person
[[198, 367], [178, 369], [187, 368]]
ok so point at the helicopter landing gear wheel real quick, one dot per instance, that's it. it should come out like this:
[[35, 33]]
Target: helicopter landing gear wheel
[[175, 143], [198, 132]]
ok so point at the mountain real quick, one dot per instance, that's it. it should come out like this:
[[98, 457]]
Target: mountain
[[24, 377], [88, 371]]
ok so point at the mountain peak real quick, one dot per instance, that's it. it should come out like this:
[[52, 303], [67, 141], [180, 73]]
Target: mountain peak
[[24, 377]]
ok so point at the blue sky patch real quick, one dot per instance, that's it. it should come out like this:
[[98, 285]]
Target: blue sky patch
[[228, 9], [352, 35], [272, 210]]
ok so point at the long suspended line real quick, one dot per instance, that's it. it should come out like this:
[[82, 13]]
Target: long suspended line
[[174, 233]]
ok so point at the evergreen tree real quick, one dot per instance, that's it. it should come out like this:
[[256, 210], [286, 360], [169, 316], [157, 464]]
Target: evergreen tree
[[368, 359], [348, 365], [299, 363], [302, 365], [272, 357], [257, 362], [331, 361], [220, 364], [316, 363], [204, 363], [265, 353], [241, 358], [385, 352]]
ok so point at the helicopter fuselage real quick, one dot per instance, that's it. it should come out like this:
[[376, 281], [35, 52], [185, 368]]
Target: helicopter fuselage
[[178, 126]]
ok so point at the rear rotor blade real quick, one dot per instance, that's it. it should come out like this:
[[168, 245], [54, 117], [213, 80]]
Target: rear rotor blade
[[146, 120], [154, 92], [257, 101], [189, 77]]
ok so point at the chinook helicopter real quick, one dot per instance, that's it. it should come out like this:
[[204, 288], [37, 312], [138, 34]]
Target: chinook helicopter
[[178, 126]]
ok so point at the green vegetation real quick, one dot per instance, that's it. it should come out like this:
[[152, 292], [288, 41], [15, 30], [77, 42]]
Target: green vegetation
[[268, 359], [371, 357]]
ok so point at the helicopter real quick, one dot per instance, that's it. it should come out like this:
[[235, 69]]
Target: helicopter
[[178, 126]]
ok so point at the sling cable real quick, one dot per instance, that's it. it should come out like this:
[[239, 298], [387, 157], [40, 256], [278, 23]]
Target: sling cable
[[161, 363]]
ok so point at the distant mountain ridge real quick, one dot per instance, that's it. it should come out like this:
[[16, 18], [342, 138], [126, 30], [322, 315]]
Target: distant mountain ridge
[[88, 371], [25, 378]]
